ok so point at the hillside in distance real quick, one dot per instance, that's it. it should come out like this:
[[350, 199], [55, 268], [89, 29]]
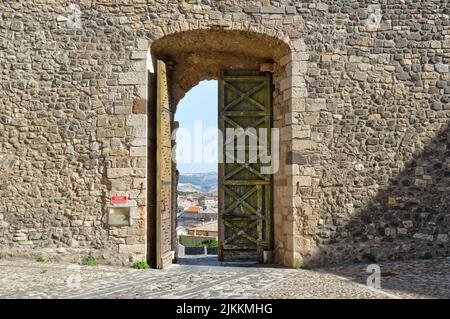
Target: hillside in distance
[[198, 182]]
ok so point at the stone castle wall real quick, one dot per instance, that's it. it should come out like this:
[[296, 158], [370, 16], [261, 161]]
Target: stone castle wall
[[362, 102]]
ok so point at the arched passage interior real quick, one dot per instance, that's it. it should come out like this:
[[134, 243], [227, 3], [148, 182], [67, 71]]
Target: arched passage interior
[[193, 56]]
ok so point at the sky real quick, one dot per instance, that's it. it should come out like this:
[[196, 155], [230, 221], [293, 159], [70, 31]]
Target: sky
[[197, 117]]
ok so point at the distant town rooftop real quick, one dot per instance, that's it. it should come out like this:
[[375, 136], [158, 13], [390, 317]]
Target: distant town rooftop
[[192, 209]]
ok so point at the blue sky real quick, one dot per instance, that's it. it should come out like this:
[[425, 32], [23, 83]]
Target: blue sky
[[199, 104]]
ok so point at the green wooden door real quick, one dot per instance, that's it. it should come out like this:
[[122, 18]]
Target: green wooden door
[[245, 208]]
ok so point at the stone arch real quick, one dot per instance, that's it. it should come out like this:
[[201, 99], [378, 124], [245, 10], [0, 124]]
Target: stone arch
[[244, 26], [199, 53]]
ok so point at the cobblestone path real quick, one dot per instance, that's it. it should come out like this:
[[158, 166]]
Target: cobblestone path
[[205, 278]]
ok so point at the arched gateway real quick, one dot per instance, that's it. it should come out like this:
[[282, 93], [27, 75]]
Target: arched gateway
[[249, 67]]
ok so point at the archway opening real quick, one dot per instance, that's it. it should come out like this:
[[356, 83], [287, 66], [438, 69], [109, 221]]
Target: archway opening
[[198, 55], [197, 165]]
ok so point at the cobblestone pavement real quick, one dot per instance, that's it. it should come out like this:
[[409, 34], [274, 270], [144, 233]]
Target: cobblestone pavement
[[205, 278]]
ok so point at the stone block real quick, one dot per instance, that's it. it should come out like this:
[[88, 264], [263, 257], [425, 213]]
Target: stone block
[[273, 10], [304, 145], [291, 10], [297, 105], [138, 55], [104, 133], [315, 105], [286, 83], [132, 78], [139, 142], [421, 236], [322, 6], [252, 9], [441, 67], [120, 108], [301, 131], [302, 180], [89, 75], [118, 172], [267, 67], [139, 106], [215, 15], [288, 228], [142, 45], [16, 25], [299, 45], [138, 151], [136, 120], [135, 248], [139, 131], [446, 43], [121, 184], [360, 76]]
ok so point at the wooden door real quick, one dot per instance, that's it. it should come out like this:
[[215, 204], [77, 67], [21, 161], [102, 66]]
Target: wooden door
[[245, 209], [163, 169]]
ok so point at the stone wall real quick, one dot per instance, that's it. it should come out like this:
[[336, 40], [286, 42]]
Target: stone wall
[[374, 160], [362, 102]]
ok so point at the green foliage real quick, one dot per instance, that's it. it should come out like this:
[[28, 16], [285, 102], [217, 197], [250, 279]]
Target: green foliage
[[298, 264], [89, 261], [41, 259], [141, 265], [185, 193], [370, 257], [304, 266], [210, 243], [193, 241]]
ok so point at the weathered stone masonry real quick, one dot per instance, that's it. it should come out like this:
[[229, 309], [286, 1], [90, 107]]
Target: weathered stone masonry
[[362, 101]]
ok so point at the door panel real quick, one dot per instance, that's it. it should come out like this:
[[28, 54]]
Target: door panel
[[163, 169], [244, 192]]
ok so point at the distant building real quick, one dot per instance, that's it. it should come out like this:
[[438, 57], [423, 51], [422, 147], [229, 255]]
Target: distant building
[[192, 209], [181, 231], [209, 202], [185, 201], [205, 229], [194, 216]]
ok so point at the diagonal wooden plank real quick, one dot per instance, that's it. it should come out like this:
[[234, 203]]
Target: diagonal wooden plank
[[237, 126], [240, 232], [240, 200], [248, 167], [254, 171], [245, 96], [235, 196]]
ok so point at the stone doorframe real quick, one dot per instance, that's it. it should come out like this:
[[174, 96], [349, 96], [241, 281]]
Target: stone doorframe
[[289, 102]]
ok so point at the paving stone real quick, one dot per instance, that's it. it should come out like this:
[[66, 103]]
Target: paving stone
[[207, 278]]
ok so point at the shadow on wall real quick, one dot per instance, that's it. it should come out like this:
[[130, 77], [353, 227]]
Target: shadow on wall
[[408, 218]]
